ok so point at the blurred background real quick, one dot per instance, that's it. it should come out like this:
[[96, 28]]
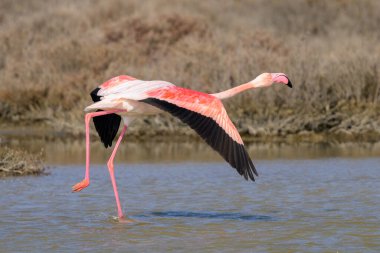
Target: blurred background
[[53, 53], [316, 146]]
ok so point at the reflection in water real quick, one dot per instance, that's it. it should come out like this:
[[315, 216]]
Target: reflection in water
[[213, 215], [61, 151]]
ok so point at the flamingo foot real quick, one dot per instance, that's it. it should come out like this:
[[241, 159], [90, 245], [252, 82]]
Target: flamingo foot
[[81, 185], [124, 219]]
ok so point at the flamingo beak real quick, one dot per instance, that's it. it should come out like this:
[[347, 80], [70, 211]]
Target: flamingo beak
[[281, 78], [289, 84]]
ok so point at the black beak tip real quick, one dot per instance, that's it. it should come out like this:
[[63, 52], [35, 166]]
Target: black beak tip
[[289, 84]]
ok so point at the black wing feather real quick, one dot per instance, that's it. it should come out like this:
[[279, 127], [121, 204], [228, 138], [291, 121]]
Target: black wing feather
[[214, 135], [106, 125]]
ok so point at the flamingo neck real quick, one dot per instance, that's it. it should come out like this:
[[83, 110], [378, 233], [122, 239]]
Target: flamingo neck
[[233, 91]]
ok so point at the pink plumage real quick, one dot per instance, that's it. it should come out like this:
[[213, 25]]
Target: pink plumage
[[125, 97]]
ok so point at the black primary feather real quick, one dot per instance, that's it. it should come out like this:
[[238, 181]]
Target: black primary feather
[[106, 125], [214, 135]]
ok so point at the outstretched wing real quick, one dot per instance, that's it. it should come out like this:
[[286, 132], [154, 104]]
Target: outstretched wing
[[206, 115]]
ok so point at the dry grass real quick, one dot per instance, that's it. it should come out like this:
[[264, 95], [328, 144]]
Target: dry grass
[[52, 53], [20, 163]]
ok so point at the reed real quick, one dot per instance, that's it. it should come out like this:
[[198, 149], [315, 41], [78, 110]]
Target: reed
[[16, 162]]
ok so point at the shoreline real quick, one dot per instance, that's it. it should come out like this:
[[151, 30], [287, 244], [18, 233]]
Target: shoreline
[[182, 134], [351, 124], [58, 148]]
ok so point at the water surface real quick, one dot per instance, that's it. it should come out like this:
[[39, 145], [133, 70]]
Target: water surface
[[308, 205], [72, 151]]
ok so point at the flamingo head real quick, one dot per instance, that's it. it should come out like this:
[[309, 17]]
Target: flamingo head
[[267, 79], [281, 78]]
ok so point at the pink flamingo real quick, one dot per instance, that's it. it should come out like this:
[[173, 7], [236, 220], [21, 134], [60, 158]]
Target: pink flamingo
[[125, 97]]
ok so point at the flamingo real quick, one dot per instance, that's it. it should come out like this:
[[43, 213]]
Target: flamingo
[[125, 98]]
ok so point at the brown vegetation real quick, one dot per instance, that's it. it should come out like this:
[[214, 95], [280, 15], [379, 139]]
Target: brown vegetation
[[14, 162], [53, 53]]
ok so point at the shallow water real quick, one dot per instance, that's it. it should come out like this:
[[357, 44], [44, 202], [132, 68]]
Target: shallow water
[[72, 151], [309, 205]]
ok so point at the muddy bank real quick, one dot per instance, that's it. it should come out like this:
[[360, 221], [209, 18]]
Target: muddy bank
[[178, 145], [361, 124], [17, 162], [58, 151]]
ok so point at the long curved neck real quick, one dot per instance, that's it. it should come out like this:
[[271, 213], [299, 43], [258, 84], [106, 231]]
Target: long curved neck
[[233, 91]]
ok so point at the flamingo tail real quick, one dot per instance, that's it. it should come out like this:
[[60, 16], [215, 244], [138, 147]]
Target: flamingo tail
[[106, 125]]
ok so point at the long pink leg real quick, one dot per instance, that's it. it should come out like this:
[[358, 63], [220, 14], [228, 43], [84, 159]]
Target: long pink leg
[[86, 181], [111, 171]]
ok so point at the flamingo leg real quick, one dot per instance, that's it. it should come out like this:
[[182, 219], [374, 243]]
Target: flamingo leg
[[111, 171], [86, 181]]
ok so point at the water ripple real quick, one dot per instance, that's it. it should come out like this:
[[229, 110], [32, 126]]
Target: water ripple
[[324, 205]]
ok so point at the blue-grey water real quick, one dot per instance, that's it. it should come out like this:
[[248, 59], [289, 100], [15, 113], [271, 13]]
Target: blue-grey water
[[307, 205]]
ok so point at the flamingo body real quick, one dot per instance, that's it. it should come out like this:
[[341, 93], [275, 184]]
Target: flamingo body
[[125, 98], [203, 112]]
